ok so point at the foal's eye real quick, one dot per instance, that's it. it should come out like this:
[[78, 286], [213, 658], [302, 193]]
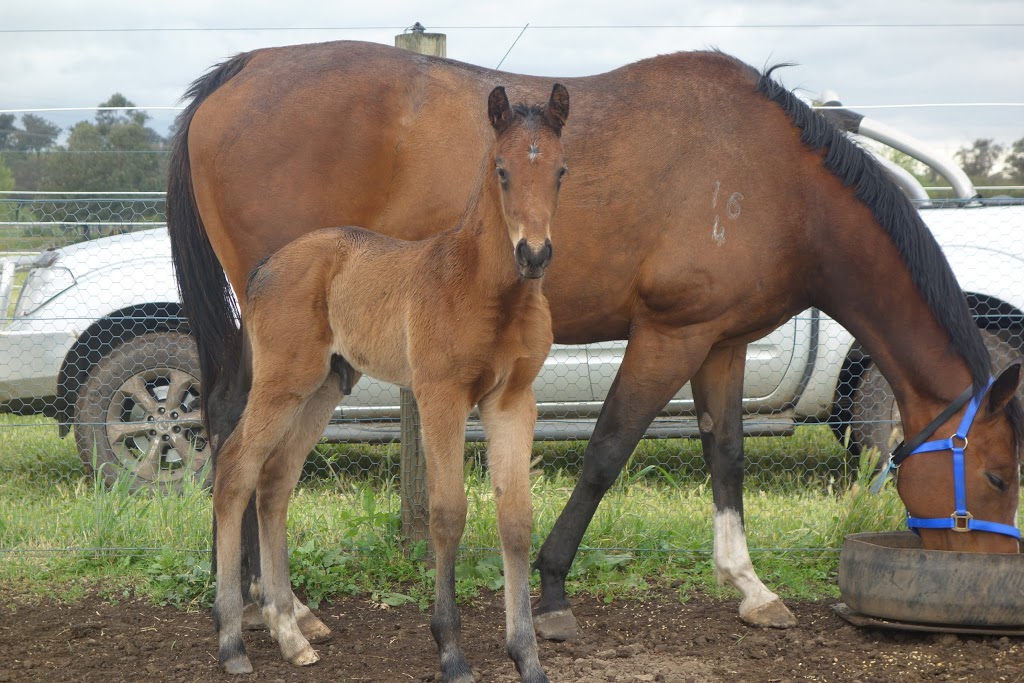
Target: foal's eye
[[502, 176], [562, 172], [996, 481]]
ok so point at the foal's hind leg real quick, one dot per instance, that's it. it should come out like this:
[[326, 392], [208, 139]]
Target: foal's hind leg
[[443, 416], [256, 436], [277, 481], [655, 366], [718, 398], [509, 420]]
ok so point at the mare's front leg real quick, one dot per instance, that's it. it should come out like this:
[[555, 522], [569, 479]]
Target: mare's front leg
[[281, 610], [655, 366], [509, 418], [718, 399], [443, 413]]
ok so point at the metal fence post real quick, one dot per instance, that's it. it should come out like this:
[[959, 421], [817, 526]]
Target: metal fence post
[[413, 470]]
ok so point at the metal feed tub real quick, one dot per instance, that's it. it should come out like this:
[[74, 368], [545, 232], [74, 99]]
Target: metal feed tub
[[889, 576]]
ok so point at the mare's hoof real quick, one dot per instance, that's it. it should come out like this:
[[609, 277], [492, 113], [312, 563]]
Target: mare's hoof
[[313, 629], [252, 618], [769, 615], [558, 625], [239, 664], [305, 657]]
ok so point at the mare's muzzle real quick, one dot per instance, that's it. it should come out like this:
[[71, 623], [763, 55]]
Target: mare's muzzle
[[532, 263]]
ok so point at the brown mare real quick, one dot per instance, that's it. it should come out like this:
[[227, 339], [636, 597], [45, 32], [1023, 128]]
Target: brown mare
[[276, 141], [459, 318]]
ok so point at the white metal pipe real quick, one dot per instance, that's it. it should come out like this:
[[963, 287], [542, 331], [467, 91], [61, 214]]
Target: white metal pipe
[[962, 185], [905, 179]]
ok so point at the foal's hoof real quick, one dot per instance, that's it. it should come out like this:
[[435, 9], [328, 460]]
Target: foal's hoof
[[239, 664], [313, 629], [305, 657], [558, 625], [769, 615]]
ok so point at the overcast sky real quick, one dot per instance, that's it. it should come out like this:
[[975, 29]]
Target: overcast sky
[[979, 59]]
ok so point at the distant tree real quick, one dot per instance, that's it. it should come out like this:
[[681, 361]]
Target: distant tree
[[980, 158], [117, 151], [21, 147], [36, 134], [6, 177], [107, 120], [7, 129], [6, 184], [1013, 165]]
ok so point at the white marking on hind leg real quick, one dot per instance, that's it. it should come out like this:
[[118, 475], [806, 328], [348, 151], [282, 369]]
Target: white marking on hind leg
[[732, 562], [285, 630]]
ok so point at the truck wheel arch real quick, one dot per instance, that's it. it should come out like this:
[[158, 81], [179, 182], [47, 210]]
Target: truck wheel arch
[[99, 339]]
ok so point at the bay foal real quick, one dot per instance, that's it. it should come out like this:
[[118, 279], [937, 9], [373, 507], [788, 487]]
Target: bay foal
[[461, 319]]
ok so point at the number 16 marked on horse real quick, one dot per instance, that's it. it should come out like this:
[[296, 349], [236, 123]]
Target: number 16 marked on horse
[[461, 319]]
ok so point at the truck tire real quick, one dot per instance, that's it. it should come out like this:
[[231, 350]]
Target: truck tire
[[875, 416], [137, 417]]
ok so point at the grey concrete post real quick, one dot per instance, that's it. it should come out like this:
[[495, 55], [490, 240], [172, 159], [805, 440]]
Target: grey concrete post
[[413, 468]]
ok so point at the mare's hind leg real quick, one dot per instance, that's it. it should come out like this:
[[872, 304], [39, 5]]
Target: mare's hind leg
[[718, 399], [509, 420], [443, 416], [277, 481], [655, 366]]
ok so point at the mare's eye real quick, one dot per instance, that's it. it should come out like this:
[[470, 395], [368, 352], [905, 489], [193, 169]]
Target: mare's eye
[[562, 172], [502, 176], [996, 481]]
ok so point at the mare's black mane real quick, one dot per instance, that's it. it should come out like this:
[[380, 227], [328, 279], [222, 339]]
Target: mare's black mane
[[929, 270]]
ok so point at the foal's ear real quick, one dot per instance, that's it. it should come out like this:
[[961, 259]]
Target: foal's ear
[[498, 109], [557, 110], [1004, 388]]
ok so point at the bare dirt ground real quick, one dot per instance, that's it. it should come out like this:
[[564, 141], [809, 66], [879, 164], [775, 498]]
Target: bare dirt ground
[[658, 639]]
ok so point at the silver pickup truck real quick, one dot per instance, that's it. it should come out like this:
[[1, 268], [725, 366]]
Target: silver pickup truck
[[96, 339]]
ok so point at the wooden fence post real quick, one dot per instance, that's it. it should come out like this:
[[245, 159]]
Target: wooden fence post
[[413, 470]]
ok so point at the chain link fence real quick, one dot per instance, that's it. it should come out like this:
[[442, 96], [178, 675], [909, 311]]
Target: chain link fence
[[93, 347]]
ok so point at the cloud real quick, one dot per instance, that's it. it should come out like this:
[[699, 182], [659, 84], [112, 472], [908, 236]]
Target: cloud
[[879, 64]]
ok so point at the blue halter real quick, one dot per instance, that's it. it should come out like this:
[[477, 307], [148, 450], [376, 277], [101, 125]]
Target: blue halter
[[961, 520]]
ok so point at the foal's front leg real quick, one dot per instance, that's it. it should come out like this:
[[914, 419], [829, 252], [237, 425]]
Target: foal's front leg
[[443, 414], [509, 420]]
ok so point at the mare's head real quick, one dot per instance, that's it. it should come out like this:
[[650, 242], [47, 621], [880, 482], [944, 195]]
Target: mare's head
[[529, 167], [991, 482]]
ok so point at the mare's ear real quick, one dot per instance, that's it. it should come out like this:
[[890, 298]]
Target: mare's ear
[[498, 109], [1004, 388], [557, 110]]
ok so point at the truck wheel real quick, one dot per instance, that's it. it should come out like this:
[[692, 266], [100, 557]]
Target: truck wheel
[[875, 416], [137, 416]]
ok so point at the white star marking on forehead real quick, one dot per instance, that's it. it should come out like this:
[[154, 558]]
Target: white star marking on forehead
[[533, 152]]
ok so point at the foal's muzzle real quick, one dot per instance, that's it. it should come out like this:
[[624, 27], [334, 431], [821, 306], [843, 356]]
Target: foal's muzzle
[[532, 263]]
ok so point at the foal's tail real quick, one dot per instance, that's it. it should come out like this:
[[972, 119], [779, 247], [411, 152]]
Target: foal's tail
[[206, 296]]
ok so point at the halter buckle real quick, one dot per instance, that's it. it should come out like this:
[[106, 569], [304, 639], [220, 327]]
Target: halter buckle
[[962, 522]]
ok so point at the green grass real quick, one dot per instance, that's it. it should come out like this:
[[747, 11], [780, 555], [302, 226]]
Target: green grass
[[61, 530]]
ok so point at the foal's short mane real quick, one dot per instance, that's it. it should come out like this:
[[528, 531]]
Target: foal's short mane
[[534, 115], [928, 267]]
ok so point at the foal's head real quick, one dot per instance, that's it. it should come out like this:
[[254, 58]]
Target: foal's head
[[529, 167]]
